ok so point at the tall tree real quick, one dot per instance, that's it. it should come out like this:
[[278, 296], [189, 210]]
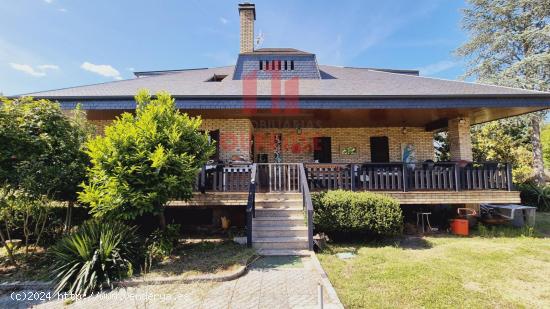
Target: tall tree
[[509, 45]]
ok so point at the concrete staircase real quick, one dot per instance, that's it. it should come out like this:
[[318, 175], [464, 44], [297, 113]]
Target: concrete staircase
[[279, 227]]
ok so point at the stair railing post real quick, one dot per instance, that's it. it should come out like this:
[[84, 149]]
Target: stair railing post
[[404, 167], [352, 176], [509, 177], [457, 177], [203, 179]]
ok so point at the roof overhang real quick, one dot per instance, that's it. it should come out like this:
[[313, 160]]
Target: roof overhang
[[431, 113]]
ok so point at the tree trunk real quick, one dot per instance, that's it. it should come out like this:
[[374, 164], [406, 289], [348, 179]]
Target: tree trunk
[[538, 163], [69, 216], [9, 250], [162, 220]]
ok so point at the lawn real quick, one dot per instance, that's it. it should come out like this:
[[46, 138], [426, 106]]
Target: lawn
[[202, 258], [508, 270]]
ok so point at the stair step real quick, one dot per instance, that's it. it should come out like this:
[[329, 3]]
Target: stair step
[[293, 243], [281, 252], [279, 195], [277, 204], [278, 231], [275, 212], [297, 218], [277, 221]]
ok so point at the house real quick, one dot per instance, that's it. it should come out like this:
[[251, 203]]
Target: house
[[294, 126]]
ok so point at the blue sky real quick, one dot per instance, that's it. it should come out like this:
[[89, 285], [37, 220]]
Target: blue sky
[[47, 44]]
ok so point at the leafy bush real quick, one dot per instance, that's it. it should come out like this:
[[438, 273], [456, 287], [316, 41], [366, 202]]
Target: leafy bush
[[95, 256], [535, 195], [357, 212], [144, 160], [162, 243]]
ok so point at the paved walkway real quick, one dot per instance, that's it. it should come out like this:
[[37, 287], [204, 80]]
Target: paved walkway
[[272, 282]]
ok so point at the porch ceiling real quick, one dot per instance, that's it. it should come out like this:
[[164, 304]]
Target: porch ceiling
[[431, 119]]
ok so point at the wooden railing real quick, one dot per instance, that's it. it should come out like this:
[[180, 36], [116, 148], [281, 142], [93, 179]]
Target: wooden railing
[[279, 177], [399, 176], [251, 205], [486, 176], [224, 178], [307, 205], [393, 176]]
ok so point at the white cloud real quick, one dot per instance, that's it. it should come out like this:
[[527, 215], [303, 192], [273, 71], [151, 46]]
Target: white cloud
[[438, 67], [63, 10], [101, 69], [48, 1], [39, 71], [224, 20], [44, 67]]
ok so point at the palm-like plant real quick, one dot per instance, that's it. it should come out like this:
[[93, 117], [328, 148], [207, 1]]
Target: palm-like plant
[[93, 257]]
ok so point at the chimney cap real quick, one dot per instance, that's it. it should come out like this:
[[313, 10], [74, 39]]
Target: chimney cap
[[248, 6]]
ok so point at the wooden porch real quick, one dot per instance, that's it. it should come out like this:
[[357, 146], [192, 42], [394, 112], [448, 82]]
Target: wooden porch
[[385, 177], [410, 183]]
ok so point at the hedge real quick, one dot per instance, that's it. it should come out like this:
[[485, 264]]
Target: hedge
[[356, 212]]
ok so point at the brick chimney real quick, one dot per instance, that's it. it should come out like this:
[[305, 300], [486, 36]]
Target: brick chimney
[[247, 14]]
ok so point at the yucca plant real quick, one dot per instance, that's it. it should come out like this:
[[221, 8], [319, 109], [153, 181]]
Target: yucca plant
[[535, 195], [94, 257]]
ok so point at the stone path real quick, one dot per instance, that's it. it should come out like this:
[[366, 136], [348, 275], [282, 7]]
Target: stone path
[[272, 282]]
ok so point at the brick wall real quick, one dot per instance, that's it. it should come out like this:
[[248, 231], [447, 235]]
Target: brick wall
[[453, 197], [235, 136], [460, 141], [299, 147]]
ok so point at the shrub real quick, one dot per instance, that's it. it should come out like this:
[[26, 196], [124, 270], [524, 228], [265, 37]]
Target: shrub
[[162, 243], [144, 160], [357, 212], [535, 195], [95, 256]]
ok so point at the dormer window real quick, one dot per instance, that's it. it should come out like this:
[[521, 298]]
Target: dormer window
[[216, 78], [272, 65]]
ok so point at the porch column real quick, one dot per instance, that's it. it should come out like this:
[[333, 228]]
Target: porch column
[[460, 141]]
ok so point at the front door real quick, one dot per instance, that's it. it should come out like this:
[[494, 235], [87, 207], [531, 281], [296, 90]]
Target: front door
[[322, 149], [379, 149]]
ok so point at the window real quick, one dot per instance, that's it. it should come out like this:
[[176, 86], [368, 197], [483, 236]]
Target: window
[[216, 78], [279, 65]]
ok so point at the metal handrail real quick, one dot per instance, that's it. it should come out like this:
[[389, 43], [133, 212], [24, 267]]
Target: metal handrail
[[307, 205], [251, 205]]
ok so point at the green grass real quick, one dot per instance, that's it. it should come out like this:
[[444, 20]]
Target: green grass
[[203, 258], [509, 270]]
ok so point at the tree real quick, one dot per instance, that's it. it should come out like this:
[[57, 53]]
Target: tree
[[42, 148], [510, 45], [545, 141], [144, 160], [491, 143], [41, 158]]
